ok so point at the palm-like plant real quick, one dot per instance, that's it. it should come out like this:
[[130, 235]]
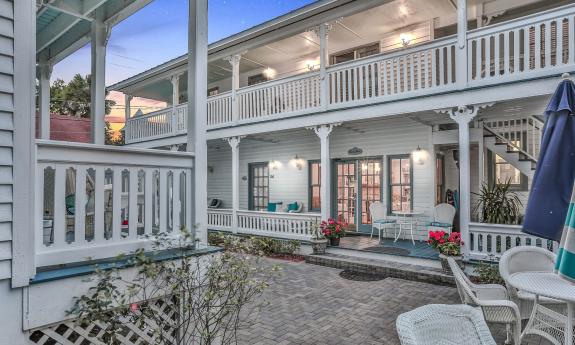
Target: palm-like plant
[[498, 204]]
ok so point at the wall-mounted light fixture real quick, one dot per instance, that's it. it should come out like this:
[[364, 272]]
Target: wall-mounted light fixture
[[269, 73], [405, 39], [418, 155], [298, 163], [274, 165]]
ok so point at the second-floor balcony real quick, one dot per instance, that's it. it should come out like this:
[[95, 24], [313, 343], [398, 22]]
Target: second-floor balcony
[[533, 46]]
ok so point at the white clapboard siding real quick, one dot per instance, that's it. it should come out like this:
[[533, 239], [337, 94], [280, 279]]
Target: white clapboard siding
[[6, 128], [382, 138]]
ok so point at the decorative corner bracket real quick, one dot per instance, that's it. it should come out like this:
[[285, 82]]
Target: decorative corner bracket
[[464, 113]]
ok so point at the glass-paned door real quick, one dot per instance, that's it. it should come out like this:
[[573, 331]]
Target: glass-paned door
[[347, 192], [370, 188], [358, 185], [400, 192], [259, 190]]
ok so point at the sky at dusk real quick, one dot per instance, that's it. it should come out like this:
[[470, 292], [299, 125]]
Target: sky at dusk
[[158, 33]]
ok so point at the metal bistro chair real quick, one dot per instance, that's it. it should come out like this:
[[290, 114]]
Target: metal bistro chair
[[443, 324], [493, 301], [379, 219]]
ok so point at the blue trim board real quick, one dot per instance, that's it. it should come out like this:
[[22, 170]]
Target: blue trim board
[[53, 273]]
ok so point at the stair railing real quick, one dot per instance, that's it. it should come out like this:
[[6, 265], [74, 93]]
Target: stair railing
[[521, 134]]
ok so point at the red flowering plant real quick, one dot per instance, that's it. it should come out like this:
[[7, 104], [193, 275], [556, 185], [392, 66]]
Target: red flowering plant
[[446, 244], [333, 228]]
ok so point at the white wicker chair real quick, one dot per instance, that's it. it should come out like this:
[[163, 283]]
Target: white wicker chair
[[528, 259], [379, 219], [443, 324], [493, 301], [443, 215]]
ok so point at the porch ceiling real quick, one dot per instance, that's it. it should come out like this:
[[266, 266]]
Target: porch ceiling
[[63, 26]]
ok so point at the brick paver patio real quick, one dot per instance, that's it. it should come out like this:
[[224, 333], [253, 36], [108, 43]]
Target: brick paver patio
[[311, 304]]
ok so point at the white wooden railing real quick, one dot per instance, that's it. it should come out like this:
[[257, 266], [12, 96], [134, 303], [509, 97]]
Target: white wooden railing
[[297, 226], [409, 72], [158, 124], [98, 201], [490, 241], [527, 47], [521, 132], [220, 109], [294, 95]]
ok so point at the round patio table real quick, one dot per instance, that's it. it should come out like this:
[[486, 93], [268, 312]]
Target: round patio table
[[408, 218], [554, 326]]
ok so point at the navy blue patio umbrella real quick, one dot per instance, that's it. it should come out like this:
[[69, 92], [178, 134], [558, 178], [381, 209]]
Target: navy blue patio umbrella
[[552, 185]]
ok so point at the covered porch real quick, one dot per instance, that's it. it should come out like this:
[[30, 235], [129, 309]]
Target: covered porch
[[270, 184]]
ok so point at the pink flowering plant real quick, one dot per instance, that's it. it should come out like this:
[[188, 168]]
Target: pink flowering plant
[[333, 228], [446, 244]]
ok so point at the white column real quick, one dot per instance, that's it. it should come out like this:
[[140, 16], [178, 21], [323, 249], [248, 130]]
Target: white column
[[235, 145], [175, 80], [323, 63], [461, 49], [197, 111], [99, 35], [463, 115], [323, 133], [44, 72], [234, 61], [127, 106]]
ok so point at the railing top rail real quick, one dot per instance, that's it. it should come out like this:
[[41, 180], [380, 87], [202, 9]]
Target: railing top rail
[[396, 53], [274, 82], [220, 95], [522, 21], [280, 214], [50, 151], [220, 210], [157, 112], [502, 229]]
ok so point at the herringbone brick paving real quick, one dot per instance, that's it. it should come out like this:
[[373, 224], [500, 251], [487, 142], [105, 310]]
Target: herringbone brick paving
[[311, 304]]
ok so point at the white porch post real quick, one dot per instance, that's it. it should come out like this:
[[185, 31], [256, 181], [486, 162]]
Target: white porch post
[[99, 34], [463, 115], [235, 145], [44, 72], [175, 80], [234, 61], [197, 112], [128, 106], [323, 62], [461, 51], [323, 133]]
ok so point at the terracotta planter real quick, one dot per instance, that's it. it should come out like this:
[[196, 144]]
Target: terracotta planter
[[445, 265], [334, 242], [318, 245]]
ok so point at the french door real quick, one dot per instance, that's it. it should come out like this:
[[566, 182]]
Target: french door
[[357, 185]]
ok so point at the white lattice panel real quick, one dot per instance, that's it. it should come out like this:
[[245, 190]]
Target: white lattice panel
[[73, 333]]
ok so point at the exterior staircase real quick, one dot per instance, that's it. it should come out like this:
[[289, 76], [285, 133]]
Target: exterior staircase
[[517, 140]]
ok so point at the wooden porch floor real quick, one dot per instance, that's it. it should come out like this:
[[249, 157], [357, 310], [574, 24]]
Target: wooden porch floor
[[402, 247]]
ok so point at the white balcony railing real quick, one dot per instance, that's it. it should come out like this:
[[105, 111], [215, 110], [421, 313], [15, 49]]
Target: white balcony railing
[[527, 47], [490, 241], [530, 47], [159, 124], [298, 226], [97, 201]]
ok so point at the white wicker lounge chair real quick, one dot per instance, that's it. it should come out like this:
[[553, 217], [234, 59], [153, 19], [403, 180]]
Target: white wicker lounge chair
[[443, 215], [443, 324], [493, 301], [379, 219], [528, 259]]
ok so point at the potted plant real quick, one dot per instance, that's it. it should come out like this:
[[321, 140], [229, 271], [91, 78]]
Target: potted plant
[[497, 204], [333, 230], [318, 241], [448, 245]]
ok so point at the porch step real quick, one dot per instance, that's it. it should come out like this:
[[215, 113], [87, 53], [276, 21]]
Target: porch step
[[390, 269]]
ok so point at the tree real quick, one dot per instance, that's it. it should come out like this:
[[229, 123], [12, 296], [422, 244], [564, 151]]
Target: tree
[[110, 139], [192, 300], [73, 98]]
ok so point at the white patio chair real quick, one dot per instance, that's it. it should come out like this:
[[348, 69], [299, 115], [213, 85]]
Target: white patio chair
[[443, 324], [493, 301], [379, 219], [528, 259], [443, 215]]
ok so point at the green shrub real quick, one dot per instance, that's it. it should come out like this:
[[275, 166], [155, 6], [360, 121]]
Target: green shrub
[[488, 273]]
